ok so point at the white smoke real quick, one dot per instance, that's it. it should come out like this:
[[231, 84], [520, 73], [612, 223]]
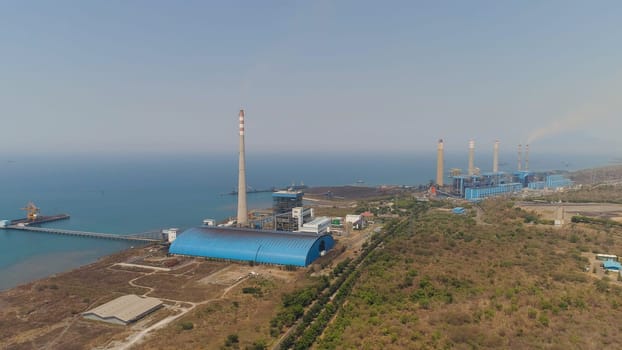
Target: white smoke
[[597, 112], [571, 123]]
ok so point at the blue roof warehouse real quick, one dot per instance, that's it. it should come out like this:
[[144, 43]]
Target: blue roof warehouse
[[263, 247]]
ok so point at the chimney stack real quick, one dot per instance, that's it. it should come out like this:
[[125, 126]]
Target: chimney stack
[[471, 157], [527, 157], [439, 164], [242, 209], [520, 155], [495, 157]]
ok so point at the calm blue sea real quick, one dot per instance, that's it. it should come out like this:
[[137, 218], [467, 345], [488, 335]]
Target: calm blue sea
[[130, 194]]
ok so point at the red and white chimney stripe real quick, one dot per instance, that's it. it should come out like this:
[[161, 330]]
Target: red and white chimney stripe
[[241, 122]]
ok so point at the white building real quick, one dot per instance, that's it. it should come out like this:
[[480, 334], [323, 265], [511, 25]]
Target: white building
[[302, 215], [351, 219], [171, 234], [318, 226], [356, 221]]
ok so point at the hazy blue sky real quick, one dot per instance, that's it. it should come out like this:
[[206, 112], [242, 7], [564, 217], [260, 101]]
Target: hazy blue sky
[[170, 76]]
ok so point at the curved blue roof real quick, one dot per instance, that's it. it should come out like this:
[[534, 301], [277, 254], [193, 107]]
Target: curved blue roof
[[268, 247]]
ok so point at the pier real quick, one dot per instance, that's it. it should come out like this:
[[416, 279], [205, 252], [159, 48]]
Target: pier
[[145, 237], [40, 219]]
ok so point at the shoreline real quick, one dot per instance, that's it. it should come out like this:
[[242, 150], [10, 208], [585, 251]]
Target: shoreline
[[65, 262], [109, 256], [92, 257]]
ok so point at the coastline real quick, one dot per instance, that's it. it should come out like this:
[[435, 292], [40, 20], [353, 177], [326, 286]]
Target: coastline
[[78, 260]]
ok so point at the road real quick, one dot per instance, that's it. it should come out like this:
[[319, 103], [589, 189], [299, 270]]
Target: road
[[138, 337]]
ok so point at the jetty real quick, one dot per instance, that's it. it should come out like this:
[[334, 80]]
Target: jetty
[[145, 237], [33, 218], [40, 219]]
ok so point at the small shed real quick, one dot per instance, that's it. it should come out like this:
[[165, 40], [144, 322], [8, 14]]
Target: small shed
[[458, 210]]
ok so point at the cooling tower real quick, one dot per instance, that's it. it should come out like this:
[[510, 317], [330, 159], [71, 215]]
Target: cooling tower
[[242, 208]]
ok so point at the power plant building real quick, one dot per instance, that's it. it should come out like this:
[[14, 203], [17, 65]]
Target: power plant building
[[257, 246], [476, 186], [289, 214], [254, 245]]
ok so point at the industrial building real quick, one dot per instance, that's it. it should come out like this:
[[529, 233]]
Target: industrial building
[[283, 205], [318, 226], [124, 310], [356, 220], [257, 246], [477, 185], [243, 243]]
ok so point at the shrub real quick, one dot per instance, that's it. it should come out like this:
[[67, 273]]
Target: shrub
[[251, 290], [258, 345], [232, 339], [186, 326], [543, 320], [532, 313]]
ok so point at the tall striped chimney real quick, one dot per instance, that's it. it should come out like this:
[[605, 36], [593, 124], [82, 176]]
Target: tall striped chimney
[[495, 157], [471, 157], [242, 209], [527, 157], [520, 155], [439, 164]]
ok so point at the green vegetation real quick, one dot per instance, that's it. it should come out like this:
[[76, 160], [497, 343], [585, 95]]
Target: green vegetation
[[294, 304], [333, 296], [597, 221], [252, 290], [187, 325], [232, 340], [444, 281]]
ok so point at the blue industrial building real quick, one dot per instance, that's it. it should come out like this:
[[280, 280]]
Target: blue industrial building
[[477, 187], [477, 193], [557, 181], [262, 247]]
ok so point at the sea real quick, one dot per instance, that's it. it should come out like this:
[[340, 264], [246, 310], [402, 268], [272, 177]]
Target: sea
[[125, 194]]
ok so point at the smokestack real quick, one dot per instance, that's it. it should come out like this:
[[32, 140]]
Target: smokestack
[[527, 157], [520, 155], [495, 157], [471, 157], [439, 164], [242, 209]]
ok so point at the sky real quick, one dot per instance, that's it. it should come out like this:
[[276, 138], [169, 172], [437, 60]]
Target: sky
[[167, 77]]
